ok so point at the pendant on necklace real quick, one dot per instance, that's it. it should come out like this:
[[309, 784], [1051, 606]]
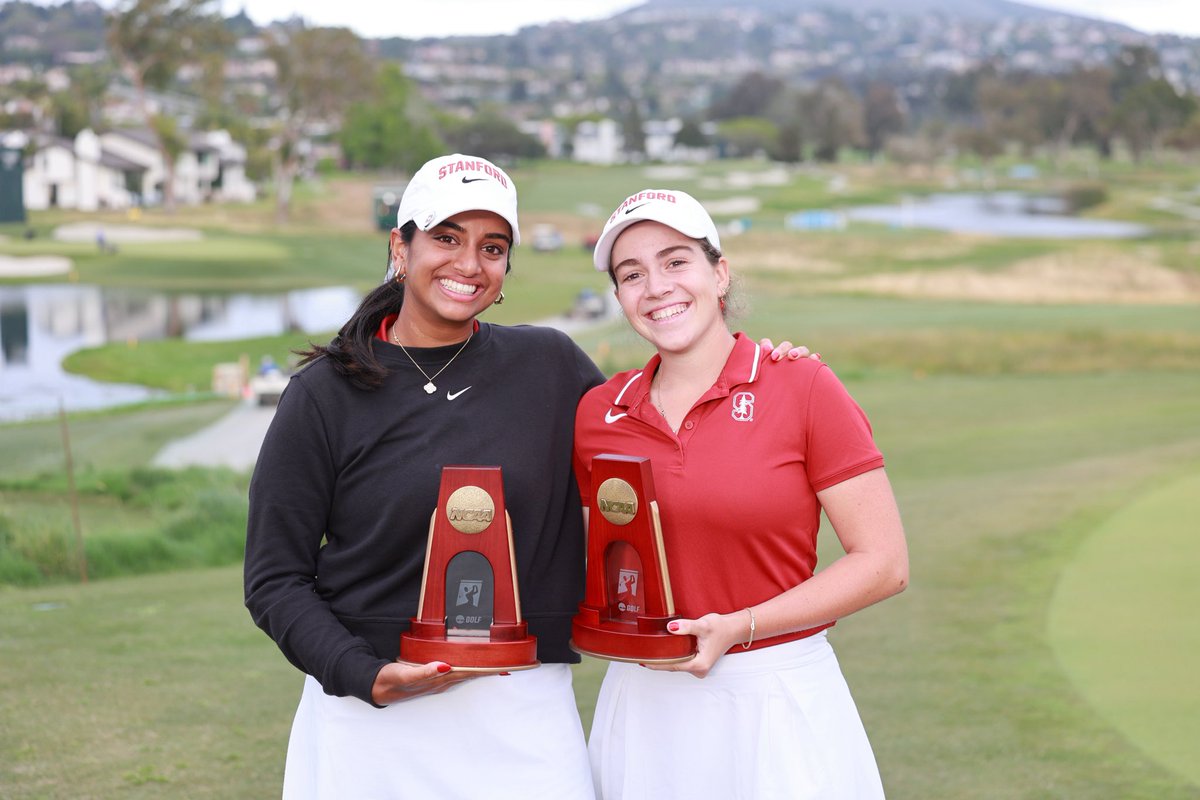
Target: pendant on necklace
[[430, 388]]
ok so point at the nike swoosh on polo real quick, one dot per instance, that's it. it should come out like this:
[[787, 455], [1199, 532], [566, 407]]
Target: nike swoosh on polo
[[610, 417], [472, 180], [451, 396], [632, 209]]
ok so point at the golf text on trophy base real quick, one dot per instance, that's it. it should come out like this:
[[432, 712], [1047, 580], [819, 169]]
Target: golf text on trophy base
[[627, 602], [470, 612]]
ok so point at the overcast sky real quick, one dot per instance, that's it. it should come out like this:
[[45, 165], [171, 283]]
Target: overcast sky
[[369, 18]]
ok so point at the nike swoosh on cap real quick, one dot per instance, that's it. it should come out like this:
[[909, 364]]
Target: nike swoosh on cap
[[632, 209], [610, 417], [450, 396], [472, 180]]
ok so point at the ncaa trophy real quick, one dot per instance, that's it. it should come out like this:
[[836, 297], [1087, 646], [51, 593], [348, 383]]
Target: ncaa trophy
[[627, 599], [469, 614]]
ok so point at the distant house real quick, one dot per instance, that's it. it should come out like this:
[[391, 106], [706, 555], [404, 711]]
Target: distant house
[[602, 142], [79, 174], [124, 168], [598, 142]]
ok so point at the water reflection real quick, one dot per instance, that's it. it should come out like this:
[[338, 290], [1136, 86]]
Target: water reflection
[[42, 324], [996, 214]]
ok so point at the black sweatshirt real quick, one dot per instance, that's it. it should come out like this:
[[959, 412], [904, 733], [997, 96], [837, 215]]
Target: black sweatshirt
[[361, 471]]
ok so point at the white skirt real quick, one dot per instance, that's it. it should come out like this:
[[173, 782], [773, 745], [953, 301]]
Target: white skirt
[[772, 723], [510, 736]]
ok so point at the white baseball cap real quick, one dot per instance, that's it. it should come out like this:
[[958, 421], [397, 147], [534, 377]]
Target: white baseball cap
[[449, 185], [671, 207]]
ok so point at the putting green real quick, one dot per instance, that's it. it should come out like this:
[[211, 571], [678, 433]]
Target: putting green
[[1125, 623]]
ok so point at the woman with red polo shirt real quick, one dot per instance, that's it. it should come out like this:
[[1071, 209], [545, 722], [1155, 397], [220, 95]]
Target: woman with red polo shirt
[[744, 461]]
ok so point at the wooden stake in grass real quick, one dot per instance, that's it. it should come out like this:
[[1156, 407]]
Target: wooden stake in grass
[[80, 553]]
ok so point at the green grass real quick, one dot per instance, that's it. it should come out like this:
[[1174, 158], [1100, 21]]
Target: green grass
[[181, 366], [151, 687], [1122, 623], [101, 441]]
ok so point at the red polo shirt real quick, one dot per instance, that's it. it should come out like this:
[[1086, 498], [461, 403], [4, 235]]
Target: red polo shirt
[[737, 484]]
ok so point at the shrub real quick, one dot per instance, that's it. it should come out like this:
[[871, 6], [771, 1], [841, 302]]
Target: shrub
[[1081, 196]]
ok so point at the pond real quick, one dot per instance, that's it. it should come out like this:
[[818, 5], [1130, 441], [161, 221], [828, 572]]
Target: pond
[[1008, 214], [40, 325]]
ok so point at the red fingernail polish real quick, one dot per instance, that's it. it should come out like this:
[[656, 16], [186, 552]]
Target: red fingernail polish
[[672, 626], [504, 673], [443, 668]]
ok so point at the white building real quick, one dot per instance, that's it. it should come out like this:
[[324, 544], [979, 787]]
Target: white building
[[602, 142], [599, 142], [124, 168], [79, 174]]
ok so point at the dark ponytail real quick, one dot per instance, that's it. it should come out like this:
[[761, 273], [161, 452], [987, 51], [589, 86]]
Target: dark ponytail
[[351, 352]]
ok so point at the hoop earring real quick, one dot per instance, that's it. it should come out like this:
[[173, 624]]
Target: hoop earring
[[400, 276], [499, 299]]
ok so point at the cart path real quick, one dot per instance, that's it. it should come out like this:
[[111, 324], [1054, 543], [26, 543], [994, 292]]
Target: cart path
[[232, 441]]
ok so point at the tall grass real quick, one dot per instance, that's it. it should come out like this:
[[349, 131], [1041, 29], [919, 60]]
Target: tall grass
[[138, 521]]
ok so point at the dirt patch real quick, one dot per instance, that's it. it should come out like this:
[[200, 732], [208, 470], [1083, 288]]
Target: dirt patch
[[777, 261], [1086, 276], [933, 251]]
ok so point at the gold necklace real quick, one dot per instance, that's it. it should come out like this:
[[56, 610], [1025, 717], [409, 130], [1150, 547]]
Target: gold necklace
[[429, 387]]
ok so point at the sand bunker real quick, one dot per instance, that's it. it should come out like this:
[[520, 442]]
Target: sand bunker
[[1093, 276], [123, 234], [731, 206], [33, 266]]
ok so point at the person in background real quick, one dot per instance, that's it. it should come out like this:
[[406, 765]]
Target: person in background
[[342, 493], [744, 460]]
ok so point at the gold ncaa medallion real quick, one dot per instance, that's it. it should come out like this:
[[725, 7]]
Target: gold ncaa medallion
[[470, 509], [617, 501]]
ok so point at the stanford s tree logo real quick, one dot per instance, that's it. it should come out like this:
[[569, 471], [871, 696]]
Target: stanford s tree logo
[[743, 407]]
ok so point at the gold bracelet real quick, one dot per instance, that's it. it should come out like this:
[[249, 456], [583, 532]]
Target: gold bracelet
[[746, 646]]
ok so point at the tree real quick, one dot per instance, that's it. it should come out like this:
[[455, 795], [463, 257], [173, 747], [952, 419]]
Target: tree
[[320, 73], [1145, 104], [633, 131], [151, 40], [690, 135], [1087, 108], [493, 136], [1147, 112], [882, 115], [832, 116], [1187, 136], [80, 105], [390, 130], [751, 96], [1008, 115]]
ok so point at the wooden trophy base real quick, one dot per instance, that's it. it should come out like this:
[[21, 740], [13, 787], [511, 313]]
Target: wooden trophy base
[[646, 642], [508, 649]]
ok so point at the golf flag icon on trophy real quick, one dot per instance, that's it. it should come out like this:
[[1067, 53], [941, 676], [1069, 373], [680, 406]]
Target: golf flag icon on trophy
[[469, 614], [627, 600]]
